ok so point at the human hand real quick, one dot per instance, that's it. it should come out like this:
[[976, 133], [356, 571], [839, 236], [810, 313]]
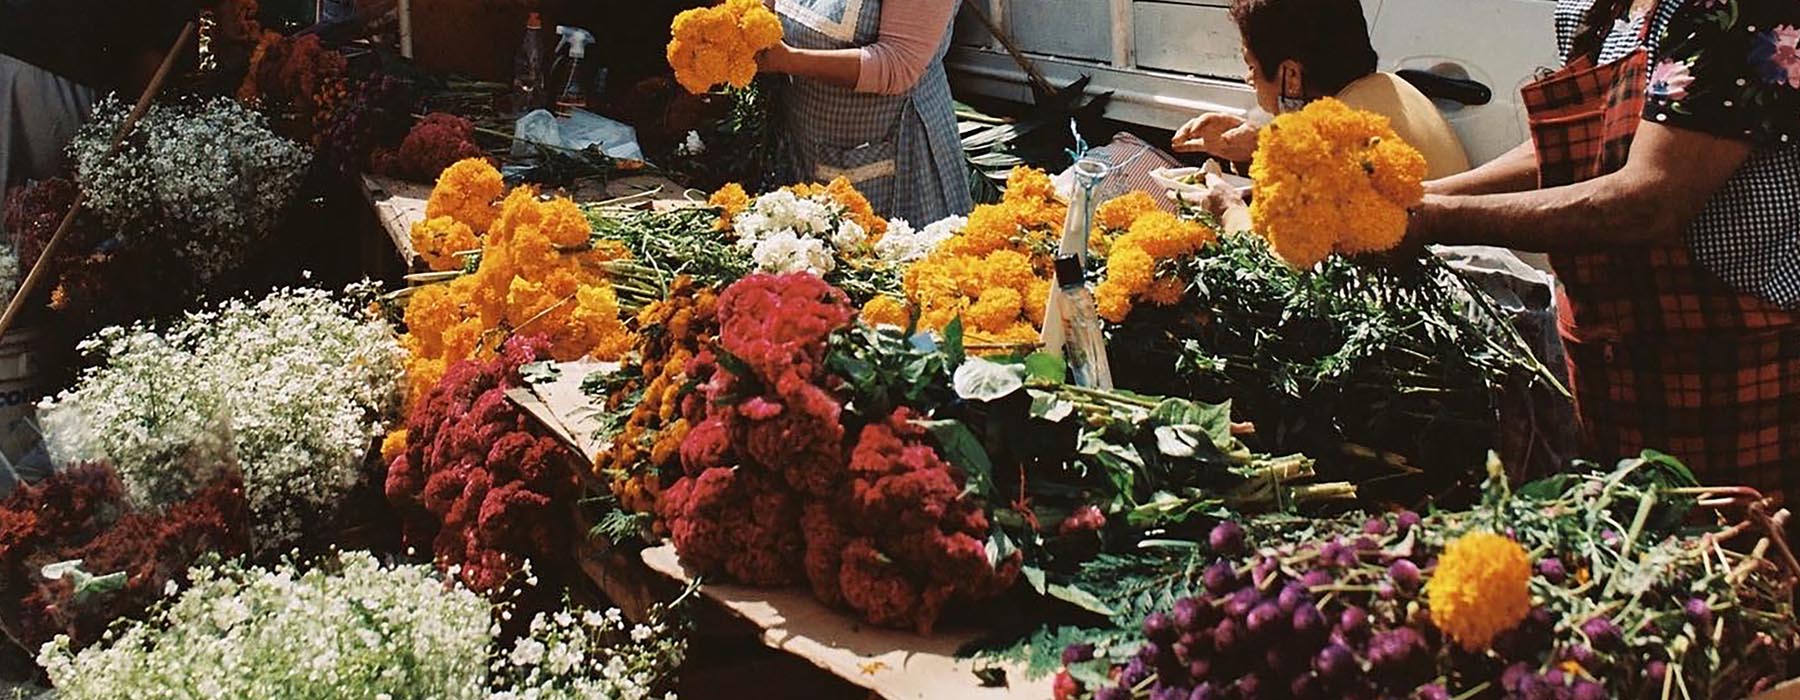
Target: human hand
[[775, 59], [1226, 136]]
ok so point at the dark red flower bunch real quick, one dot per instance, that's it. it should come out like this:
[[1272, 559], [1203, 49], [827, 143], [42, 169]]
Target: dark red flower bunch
[[377, 116], [777, 488], [476, 485], [81, 513], [299, 79], [435, 143]]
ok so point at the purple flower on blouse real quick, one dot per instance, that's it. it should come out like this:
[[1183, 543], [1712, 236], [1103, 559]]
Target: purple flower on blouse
[[1670, 81], [1776, 55]]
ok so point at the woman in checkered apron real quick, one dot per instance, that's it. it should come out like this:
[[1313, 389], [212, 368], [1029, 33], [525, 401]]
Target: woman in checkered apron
[[1663, 177], [867, 99]]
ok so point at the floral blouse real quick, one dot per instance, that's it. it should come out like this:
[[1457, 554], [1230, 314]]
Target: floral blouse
[[1730, 68]]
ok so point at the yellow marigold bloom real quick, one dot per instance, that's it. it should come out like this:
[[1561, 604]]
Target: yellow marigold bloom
[[437, 241], [996, 310], [393, 445], [1333, 179], [1120, 213], [885, 310], [717, 45], [466, 192], [1482, 587], [731, 200]]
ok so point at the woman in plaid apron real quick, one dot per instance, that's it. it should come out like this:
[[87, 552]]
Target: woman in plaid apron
[[896, 142], [1665, 158]]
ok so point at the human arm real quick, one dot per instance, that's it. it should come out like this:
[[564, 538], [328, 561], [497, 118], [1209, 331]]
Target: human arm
[[1222, 135], [1669, 176], [911, 31], [1514, 171]]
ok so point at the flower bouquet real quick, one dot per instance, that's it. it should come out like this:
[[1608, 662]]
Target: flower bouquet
[[1332, 179], [1585, 586], [204, 180], [356, 627], [718, 45], [288, 391]]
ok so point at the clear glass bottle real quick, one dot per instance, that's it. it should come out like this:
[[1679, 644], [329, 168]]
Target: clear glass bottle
[[1084, 342]]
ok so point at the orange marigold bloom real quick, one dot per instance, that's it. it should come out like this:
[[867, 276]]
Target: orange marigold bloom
[[731, 200], [466, 192], [437, 241], [1481, 587], [718, 45], [885, 310]]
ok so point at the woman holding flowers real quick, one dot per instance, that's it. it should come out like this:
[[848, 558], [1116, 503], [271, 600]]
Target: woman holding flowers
[[1663, 178], [867, 99]]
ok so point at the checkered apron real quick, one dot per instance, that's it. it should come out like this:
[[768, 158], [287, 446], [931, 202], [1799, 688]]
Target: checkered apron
[[1662, 354], [901, 151]]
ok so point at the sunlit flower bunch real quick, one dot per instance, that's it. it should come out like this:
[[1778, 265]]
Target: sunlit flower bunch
[[298, 78], [359, 628], [804, 228], [718, 45], [468, 191], [539, 274], [670, 333], [994, 273], [206, 180], [1482, 587], [1333, 179], [1137, 264], [290, 390]]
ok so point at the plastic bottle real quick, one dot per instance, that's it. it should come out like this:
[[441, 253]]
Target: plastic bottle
[[1084, 343], [574, 41], [528, 68]]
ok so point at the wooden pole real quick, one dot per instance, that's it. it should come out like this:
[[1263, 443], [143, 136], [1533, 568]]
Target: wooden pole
[[42, 266]]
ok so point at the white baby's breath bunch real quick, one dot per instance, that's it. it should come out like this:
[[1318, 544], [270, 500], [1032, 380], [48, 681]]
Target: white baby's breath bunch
[[784, 232], [290, 390], [10, 274], [358, 631], [903, 245], [206, 179], [366, 631]]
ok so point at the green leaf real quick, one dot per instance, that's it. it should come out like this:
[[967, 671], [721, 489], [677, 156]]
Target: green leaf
[[539, 372], [1180, 441], [961, 448], [1050, 407], [1035, 577], [1045, 367], [983, 380], [953, 342], [1080, 598]]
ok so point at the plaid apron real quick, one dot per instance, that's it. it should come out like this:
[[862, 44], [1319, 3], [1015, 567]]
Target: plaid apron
[[1662, 354], [901, 151]]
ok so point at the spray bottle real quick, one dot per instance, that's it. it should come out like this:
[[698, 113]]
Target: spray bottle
[[575, 41]]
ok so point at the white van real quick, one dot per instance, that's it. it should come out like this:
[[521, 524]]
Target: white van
[[1166, 61]]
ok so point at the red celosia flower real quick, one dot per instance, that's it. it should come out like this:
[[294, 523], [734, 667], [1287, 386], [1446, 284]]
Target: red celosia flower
[[435, 143], [706, 446], [778, 325], [474, 485], [804, 442], [825, 542], [877, 587], [741, 522]]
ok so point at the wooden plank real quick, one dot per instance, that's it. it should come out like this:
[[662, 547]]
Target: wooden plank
[[1124, 46], [1062, 28], [891, 664], [1187, 39]]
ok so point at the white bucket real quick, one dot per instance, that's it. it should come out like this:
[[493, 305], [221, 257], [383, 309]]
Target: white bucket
[[21, 386]]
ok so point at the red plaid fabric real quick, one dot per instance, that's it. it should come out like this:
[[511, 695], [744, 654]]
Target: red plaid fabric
[[1662, 354]]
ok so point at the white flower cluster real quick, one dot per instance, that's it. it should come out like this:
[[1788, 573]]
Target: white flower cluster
[[359, 630], [784, 232], [290, 390], [10, 273], [902, 245], [206, 179], [589, 656], [356, 631]]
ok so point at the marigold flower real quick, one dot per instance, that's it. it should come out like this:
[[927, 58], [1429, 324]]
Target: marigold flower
[[885, 310], [1332, 179], [718, 45], [466, 192], [730, 200], [1482, 587]]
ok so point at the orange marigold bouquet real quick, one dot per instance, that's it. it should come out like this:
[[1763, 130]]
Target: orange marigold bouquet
[[298, 79], [461, 208], [1141, 242], [539, 273], [1333, 179], [994, 274], [718, 45]]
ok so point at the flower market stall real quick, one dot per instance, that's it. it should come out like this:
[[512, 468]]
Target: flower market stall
[[640, 427]]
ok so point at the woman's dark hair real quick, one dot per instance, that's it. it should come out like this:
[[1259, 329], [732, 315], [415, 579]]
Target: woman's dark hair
[[1330, 38]]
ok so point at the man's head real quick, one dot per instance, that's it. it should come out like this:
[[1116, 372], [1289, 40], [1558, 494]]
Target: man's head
[[1303, 49]]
